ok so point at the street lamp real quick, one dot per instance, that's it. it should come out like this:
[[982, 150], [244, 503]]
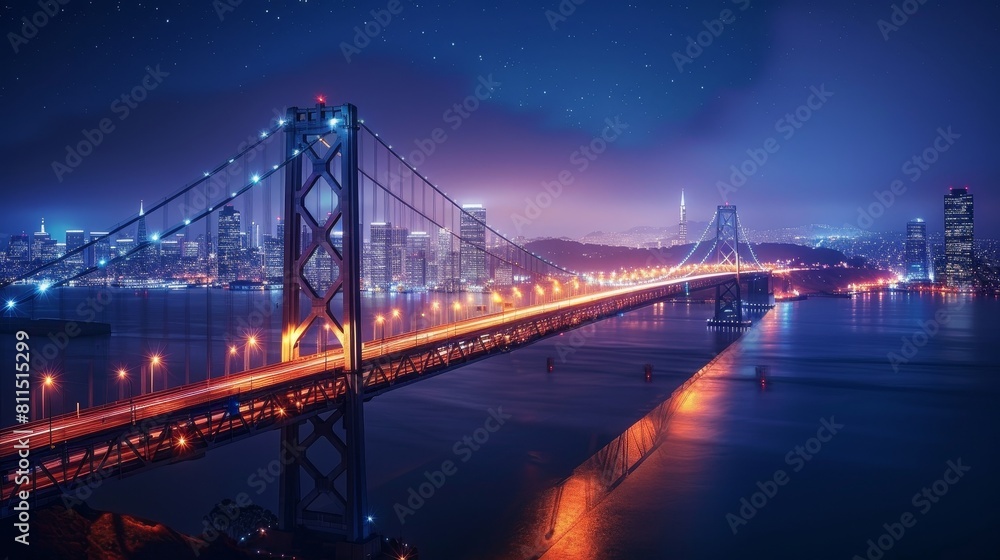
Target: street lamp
[[456, 307], [326, 337], [395, 315], [48, 382], [251, 343], [379, 320], [153, 362], [229, 357], [123, 374]]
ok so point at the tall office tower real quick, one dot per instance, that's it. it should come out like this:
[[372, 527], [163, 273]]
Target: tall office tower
[[100, 252], [18, 250], [916, 251], [418, 249], [38, 244], [958, 237], [274, 257], [228, 248], [447, 270], [74, 240], [397, 253], [140, 234], [682, 228], [473, 248], [378, 271]]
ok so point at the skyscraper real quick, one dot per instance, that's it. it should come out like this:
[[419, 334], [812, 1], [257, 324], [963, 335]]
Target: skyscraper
[[682, 227], [418, 249], [447, 273], [916, 251], [100, 252], [140, 235], [958, 236], [228, 249], [472, 230], [18, 251], [379, 275], [42, 247], [74, 240]]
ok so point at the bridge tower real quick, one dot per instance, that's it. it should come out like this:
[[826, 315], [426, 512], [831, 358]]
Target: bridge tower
[[728, 303], [323, 233], [727, 237]]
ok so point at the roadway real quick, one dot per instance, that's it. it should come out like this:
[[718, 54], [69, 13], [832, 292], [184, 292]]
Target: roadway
[[93, 420]]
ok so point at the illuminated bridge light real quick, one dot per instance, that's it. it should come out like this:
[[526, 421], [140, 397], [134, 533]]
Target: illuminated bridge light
[[187, 222], [281, 122], [255, 179], [263, 134], [10, 304]]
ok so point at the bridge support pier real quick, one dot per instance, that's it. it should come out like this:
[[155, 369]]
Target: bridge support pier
[[728, 307], [759, 293]]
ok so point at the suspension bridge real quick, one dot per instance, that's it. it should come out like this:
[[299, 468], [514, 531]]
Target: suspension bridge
[[333, 179]]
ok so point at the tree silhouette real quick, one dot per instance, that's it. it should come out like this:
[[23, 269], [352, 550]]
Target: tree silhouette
[[240, 522]]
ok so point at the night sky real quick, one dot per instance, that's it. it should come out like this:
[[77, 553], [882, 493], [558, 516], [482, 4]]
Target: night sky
[[223, 77]]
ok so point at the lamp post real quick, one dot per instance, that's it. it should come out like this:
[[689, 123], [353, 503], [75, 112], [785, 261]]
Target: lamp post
[[229, 357], [379, 320], [123, 374], [326, 339], [49, 381], [251, 343], [154, 361], [396, 315]]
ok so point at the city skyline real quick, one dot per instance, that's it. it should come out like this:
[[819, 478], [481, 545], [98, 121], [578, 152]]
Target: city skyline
[[687, 128]]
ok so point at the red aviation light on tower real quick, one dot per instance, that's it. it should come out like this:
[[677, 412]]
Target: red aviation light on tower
[[321, 99]]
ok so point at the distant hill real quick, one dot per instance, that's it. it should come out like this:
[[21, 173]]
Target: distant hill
[[585, 257]]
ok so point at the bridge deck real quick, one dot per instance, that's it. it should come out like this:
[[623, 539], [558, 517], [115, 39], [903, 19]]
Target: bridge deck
[[182, 423]]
